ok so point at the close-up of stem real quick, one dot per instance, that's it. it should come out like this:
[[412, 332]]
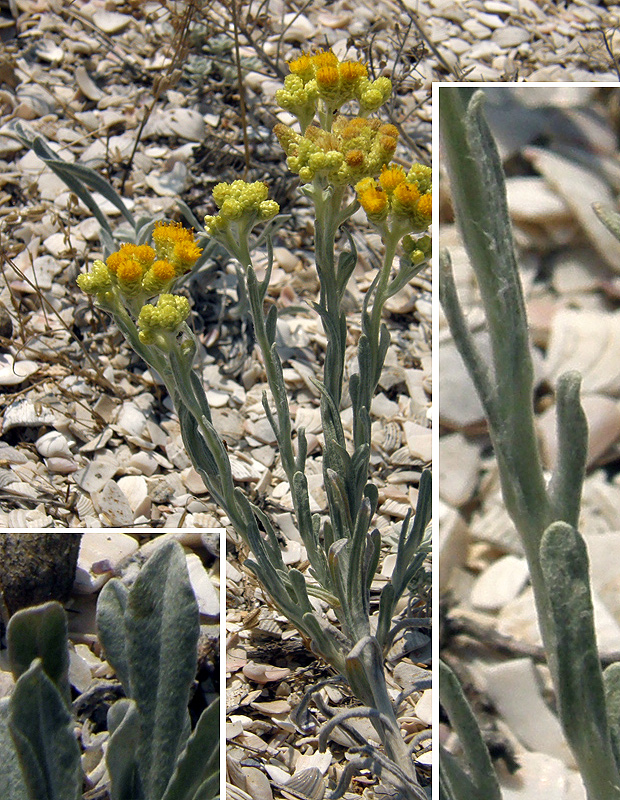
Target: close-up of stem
[[545, 511]]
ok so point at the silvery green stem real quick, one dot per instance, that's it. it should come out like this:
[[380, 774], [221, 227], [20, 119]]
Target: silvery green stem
[[544, 517]]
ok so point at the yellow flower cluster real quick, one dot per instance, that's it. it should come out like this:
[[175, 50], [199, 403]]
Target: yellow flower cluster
[[323, 76], [354, 149], [138, 272], [407, 197], [160, 322], [240, 202]]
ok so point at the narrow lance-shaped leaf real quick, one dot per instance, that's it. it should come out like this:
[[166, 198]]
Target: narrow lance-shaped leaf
[[13, 785], [611, 681], [574, 661], [42, 731], [121, 755], [162, 635], [482, 782], [199, 763], [111, 608]]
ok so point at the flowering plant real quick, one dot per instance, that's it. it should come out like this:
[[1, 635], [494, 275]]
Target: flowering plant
[[343, 549]]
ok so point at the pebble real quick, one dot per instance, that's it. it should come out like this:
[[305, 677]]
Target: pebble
[[510, 36], [540, 775], [145, 462], [603, 418], [453, 542], [424, 707]]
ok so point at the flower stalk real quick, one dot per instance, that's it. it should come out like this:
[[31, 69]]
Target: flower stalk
[[342, 548]]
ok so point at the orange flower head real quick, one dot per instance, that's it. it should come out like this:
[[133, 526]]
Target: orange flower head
[[301, 66], [408, 195], [373, 201], [350, 71], [425, 206], [327, 77], [163, 271], [324, 59], [354, 158], [391, 177]]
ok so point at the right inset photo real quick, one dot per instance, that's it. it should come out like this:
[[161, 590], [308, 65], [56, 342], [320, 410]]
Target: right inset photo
[[529, 445]]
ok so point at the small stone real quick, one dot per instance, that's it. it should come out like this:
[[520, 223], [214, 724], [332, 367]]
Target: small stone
[[265, 673], [297, 28], [186, 124], [145, 462], [510, 36], [131, 419], [424, 707], [169, 184], [514, 689], [37, 567], [87, 86]]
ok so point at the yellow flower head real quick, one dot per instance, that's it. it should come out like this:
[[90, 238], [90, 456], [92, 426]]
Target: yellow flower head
[[323, 76], [425, 206], [353, 149], [240, 203], [302, 66], [166, 317], [407, 195], [176, 244], [324, 59], [136, 272], [351, 71], [96, 282]]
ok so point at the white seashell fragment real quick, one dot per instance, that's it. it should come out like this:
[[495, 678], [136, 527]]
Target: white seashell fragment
[[100, 556], [111, 503], [26, 414], [500, 583], [13, 372], [136, 491], [111, 21], [53, 444], [206, 594]]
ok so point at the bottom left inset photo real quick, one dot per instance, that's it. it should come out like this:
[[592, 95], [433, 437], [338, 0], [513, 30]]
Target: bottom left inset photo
[[109, 665]]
